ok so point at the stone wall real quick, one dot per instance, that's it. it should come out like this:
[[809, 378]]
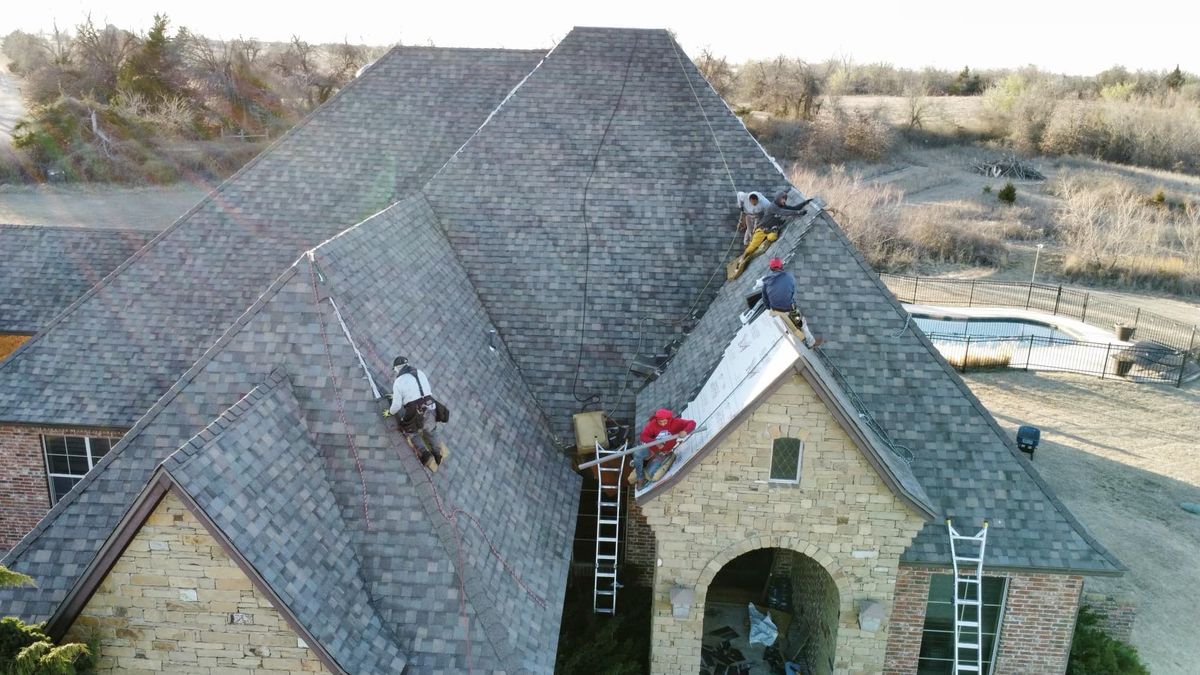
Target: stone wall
[[841, 516], [175, 601], [1035, 632], [24, 490]]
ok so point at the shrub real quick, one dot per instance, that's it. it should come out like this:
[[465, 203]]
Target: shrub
[[987, 189], [1093, 652], [956, 242], [25, 649], [592, 644], [1007, 194]]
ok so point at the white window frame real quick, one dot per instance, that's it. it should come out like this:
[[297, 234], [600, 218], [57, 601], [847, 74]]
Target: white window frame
[[91, 458], [799, 463]]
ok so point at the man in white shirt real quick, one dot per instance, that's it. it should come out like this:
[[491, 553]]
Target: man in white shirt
[[752, 204], [416, 413]]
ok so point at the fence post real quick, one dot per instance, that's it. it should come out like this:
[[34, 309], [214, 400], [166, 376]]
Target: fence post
[[1029, 354], [1136, 316], [916, 285], [1086, 297], [1104, 370], [1057, 297], [1182, 369], [966, 350], [971, 297], [1029, 297]]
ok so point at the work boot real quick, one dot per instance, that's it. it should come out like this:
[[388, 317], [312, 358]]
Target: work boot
[[443, 452], [817, 342]]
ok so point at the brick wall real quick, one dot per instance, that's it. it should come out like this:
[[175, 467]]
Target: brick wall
[[640, 548], [841, 517], [175, 601], [1039, 620], [1117, 612], [24, 491], [1035, 632]]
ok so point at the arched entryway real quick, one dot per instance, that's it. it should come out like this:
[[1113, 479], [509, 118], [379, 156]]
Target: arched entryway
[[798, 593]]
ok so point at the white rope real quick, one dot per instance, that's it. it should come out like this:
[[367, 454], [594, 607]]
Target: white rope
[[361, 362], [700, 105]]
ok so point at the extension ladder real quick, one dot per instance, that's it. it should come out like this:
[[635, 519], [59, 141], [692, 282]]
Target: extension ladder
[[966, 553], [608, 531]]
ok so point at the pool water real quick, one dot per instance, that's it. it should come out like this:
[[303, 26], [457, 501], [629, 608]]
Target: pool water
[[980, 327]]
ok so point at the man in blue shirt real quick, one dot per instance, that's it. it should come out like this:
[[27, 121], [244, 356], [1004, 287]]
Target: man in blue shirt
[[779, 295]]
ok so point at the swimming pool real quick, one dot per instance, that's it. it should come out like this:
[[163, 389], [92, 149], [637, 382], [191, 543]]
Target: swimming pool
[[988, 327]]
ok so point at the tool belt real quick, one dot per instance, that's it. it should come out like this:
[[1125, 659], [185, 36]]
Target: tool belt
[[413, 419]]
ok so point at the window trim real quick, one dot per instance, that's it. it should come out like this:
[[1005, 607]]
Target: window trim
[[91, 459], [799, 462]]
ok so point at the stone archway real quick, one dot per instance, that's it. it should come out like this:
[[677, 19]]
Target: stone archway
[[803, 597]]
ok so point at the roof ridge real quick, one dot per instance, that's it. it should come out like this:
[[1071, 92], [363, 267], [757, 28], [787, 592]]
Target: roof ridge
[[974, 401], [77, 228], [454, 155], [190, 448], [152, 412], [207, 199]]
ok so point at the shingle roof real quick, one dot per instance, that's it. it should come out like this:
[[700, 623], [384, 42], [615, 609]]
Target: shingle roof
[[387, 276], [964, 460], [44, 269], [256, 474], [660, 209], [382, 135]]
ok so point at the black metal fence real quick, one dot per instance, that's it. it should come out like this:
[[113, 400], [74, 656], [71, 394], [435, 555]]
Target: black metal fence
[[1139, 363], [1055, 300]]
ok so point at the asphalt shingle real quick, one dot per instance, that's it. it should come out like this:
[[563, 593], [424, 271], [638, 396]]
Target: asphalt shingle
[[44, 269], [505, 492], [382, 135]]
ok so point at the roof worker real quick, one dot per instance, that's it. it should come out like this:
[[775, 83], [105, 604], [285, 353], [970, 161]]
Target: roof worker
[[779, 296], [417, 413], [772, 221], [663, 423], [753, 206]]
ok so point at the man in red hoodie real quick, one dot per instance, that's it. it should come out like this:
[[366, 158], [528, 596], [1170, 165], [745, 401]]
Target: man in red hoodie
[[663, 423]]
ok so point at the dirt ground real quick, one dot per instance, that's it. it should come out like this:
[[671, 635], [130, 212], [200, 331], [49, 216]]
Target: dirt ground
[[1122, 457], [97, 205]]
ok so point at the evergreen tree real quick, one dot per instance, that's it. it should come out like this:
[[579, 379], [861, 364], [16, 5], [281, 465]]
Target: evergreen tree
[[1174, 79], [153, 72]]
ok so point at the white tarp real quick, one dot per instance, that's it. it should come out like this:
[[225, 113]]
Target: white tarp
[[762, 351]]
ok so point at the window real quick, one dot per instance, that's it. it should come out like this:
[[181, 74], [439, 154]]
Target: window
[[785, 460], [937, 637], [69, 458]]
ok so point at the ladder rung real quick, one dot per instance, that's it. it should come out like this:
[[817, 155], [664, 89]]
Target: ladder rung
[[965, 601], [605, 555], [609, 539], [967, 580], [968, 624], [970, 560], [967, 645], [606, 592], [963, 666], [606, 574]]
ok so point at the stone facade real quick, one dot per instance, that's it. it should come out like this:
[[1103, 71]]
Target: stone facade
[[841, 516], [176, 602], [1035, 632], [24, 490]]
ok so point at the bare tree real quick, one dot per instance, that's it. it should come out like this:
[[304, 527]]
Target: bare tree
[[101, 53], [717, 71]]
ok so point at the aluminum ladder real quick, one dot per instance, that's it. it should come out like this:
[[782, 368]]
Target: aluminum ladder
[[966, 553], [608, 531]]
